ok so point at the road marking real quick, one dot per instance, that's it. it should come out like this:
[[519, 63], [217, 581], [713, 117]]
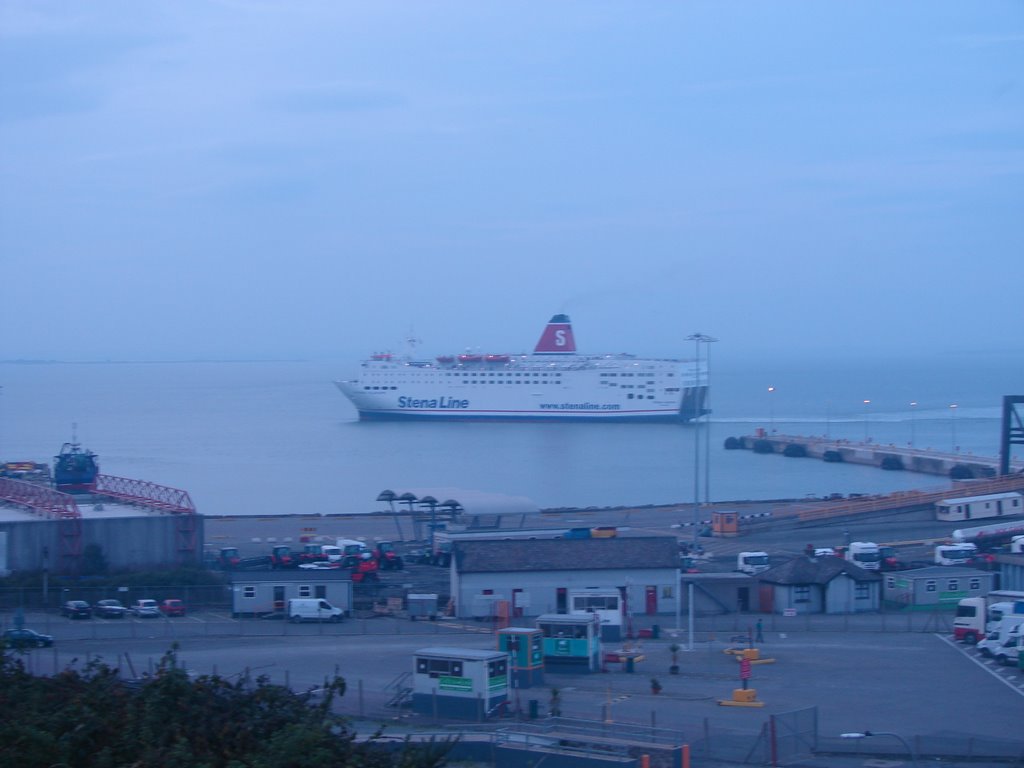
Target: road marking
[[1016, 689]]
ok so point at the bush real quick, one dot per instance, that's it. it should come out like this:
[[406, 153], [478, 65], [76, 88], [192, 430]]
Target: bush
[[795, 451], [764, 446], [733, 443], [94, 719]]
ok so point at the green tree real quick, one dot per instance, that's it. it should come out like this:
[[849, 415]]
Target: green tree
[[91, 718]]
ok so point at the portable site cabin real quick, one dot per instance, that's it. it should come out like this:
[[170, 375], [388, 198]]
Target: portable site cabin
[[976, 507], [571, 642], [525, 649], [258, 593], [606, 604], [935, 587], [463, 683]]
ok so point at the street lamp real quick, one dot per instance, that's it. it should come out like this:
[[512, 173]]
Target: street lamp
[[952, 425], [913, 411], [866, 404], [697, 339], [708, 341], [771, 411], [869, 734]]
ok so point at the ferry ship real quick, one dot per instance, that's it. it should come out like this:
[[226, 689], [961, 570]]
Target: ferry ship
[[555, 383]]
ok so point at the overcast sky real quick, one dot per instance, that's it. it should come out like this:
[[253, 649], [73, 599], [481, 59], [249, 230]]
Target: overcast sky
[[221, 180]]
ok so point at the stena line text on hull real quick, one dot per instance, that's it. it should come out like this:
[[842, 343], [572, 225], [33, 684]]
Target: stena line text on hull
[[554, 383]]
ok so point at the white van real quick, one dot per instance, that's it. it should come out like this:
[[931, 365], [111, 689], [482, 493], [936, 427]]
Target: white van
[[997, 643], [313, 609]]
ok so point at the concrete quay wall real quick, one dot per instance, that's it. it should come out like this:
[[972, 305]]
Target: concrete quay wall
[[873, 454]]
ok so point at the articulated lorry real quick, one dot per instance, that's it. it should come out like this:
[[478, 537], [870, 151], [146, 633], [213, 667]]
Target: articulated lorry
[[866, 554], [976, 617], [752, 562], [955, 554]]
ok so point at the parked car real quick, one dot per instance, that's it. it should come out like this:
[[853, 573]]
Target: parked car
[[172, 607], [145, 609], [76, 609], [26, 638], [320, 565], [110, 609]]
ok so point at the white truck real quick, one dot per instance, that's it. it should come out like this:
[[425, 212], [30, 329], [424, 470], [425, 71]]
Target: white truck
[[1017, 545], [1001, 644], [752, 562], [976, 617], [313, 609], [955, 554], [865, 554]]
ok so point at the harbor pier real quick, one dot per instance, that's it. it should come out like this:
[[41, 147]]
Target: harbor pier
[[955, 465]]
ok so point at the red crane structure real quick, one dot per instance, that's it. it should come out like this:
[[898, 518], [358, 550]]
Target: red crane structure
[[44, 501]]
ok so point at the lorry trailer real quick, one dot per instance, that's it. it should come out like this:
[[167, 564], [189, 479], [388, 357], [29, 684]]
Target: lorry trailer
[[994, 535], [977, 616]]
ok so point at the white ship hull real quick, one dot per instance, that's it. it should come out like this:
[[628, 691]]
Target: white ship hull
[[552, 386]]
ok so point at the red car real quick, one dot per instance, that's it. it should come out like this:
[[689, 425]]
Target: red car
[[172, 607]]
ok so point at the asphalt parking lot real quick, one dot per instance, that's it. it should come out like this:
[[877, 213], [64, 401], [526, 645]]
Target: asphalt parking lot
[[916, 683]]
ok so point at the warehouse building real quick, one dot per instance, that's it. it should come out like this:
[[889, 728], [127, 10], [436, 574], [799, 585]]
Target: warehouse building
[[534, 577]]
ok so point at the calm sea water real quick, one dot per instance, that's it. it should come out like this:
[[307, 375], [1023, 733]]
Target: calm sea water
[[277, 437]]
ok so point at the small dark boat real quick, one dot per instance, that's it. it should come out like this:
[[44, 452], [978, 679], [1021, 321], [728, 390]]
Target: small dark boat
[[75, 469]]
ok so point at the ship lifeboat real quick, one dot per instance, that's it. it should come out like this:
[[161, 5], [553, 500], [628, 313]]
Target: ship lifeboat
[[470, 358], [446, 359], [498, 358]]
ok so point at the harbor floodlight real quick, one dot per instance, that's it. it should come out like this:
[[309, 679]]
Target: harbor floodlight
[[868, 734]]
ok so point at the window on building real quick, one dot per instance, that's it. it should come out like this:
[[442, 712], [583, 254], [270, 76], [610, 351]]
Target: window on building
[[305, 590], [953, 585], [249, 592], [801, 594], [930, 585], [862, 591], [890, 582], [974, 585], [666, 593]]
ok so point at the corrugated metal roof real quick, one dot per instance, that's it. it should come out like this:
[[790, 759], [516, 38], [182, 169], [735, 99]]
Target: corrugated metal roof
[[501, 556]]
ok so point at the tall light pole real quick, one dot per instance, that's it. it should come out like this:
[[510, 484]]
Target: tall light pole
[[697, 339], [771, 411], [913, 411], [866, 404], [952, 425], [708, 341]]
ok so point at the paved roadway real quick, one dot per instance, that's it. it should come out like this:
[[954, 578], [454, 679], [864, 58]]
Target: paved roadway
[[913, 683], [781, 539]]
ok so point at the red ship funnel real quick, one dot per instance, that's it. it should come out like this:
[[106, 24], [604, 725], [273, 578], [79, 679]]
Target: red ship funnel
[[557, 338]]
